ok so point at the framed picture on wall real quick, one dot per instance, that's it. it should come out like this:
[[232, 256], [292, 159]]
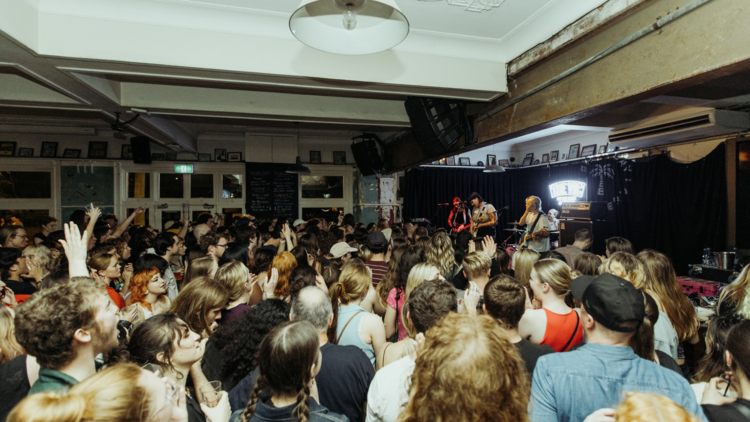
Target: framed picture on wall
[[504, 162], [71, 153], [339, 157], [204, 157], [553, 156], [464, 161], [491, 160], [220, 154], [573, 152], [451, 161], [528, 159], [588, 150], [602, 149], [126, 153], [97, 150], [234, 156], [545, 158], [315, 157], [25, 152], [7, 149], [49, 149]]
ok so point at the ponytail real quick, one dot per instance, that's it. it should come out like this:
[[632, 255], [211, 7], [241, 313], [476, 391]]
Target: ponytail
[[45, 407], [303, 410], [337, 292]]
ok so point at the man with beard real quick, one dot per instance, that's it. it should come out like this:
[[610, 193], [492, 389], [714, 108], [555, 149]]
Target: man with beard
[[65, 328]]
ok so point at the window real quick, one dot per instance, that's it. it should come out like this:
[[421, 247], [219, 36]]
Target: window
[[231, 186], [139, 185], [171, 186], [25, 184], [29, 219], [323, 187], [140, 219], [202, 186]]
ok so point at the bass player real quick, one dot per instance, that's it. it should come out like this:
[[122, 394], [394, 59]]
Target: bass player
[[459, 218], [537, 225]]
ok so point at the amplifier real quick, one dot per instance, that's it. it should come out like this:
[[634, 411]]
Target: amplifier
[[584, 211], [600, 229]]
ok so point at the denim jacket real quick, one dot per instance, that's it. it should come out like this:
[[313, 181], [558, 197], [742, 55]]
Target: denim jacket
[[570, 386], [264, 412]]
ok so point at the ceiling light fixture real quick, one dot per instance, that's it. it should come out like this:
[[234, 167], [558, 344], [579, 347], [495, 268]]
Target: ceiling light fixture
[[298, 168], [349, 27]]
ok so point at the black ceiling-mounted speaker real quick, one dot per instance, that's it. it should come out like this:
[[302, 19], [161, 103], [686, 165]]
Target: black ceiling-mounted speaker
[[436, 123], [141, 147], [367, 156]]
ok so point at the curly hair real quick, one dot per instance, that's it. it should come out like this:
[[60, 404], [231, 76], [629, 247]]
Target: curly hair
[[440, 254], [139, 287], [469, 370], [196, 299], [156, 335], [284, 263], [211, 239], [9, 347], [643, 407], [285, 357], [238, 343], [47, 321], [627, 266], [300, 278]]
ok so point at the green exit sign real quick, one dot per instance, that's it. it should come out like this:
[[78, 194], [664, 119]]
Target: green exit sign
[[183, 168]]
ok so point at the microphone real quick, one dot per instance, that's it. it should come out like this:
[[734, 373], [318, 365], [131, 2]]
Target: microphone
[[507, 207]]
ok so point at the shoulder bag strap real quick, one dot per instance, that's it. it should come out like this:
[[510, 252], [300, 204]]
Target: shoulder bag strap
[[346, 325], [575, 331]]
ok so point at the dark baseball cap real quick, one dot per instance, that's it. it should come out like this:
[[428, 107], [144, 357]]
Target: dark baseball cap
[[610, 300], [376, 240]]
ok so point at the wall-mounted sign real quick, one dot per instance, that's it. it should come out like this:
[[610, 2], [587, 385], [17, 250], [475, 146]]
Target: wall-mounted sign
[[568, 191], [183, 168]]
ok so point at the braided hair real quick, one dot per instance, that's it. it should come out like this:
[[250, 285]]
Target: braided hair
[[285, 358]]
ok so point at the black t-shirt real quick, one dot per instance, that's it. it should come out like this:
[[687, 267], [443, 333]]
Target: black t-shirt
[[727, 412], [14, 386], [344, 378], [39, 236], [667, 361], [20, 287], [195, 414], [531, 352]]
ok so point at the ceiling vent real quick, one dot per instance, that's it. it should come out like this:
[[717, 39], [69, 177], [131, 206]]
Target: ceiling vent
[[680, 127]]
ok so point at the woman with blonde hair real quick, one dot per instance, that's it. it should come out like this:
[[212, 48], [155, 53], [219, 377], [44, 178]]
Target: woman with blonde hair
[[523, 263], [200, 303], [660, 282], [440, 254], [352, 324], [557, 324], [123, 392], [468, 371], [240, 282], [148, 289], [104, 268], [9, 347], [419, 274], [734, 298], [627, 266]]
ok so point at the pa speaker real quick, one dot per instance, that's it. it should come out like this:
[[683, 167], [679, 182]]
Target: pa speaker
[[422, 111], [367, 157], [141, 147], [600, 229], [435, 123]]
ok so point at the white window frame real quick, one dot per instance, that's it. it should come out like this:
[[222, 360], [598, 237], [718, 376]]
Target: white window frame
[[347, 172], [52, 204], [156, 169]]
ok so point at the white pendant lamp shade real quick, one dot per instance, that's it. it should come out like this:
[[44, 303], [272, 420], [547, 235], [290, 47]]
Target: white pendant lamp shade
[[349, 26]]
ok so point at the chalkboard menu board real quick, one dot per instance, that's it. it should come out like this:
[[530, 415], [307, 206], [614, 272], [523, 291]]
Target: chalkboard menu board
[[271, 191]]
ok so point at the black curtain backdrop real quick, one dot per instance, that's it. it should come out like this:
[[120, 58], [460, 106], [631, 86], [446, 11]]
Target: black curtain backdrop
[[677, 209]]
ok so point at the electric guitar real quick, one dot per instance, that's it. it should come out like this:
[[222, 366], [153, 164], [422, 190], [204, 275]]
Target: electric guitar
[[475, 225], [530, 236]]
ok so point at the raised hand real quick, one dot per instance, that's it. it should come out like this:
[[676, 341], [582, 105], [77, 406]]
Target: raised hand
[[94, 213], [271, 283], [471, 298], [76, 248], [489, 246]]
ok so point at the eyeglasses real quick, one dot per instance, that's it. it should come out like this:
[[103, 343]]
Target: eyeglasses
[[223, 246]]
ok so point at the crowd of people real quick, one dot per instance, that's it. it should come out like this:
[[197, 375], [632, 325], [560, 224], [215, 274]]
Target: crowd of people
[[275, 320]]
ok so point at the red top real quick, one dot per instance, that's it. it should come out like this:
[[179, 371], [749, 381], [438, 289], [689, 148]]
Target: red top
[[116, 298], [379, 269], [560, 329]]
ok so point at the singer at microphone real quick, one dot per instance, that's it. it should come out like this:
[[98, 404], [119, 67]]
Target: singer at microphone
[[459, 218], [484, 217]]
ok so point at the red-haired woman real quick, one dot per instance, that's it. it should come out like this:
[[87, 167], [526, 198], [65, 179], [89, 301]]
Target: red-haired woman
[[148, 292]]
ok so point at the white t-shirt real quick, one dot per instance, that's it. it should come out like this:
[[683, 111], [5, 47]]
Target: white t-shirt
[[171, 282], [483, 213], [389, 391], [665, 336], [541, 245]]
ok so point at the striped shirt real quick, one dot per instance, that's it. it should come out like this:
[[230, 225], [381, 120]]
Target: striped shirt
[[379, 268]]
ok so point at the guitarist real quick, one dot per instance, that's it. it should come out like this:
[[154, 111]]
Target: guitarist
[[459, 219], [484, 217], [537, 225]]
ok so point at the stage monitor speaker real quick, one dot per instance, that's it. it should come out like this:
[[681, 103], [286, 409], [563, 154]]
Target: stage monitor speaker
[[602, 230], [141, 147], [367, 157]]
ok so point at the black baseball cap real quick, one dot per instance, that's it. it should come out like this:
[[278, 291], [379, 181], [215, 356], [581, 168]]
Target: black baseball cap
[[610, 300], [376, 241]]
